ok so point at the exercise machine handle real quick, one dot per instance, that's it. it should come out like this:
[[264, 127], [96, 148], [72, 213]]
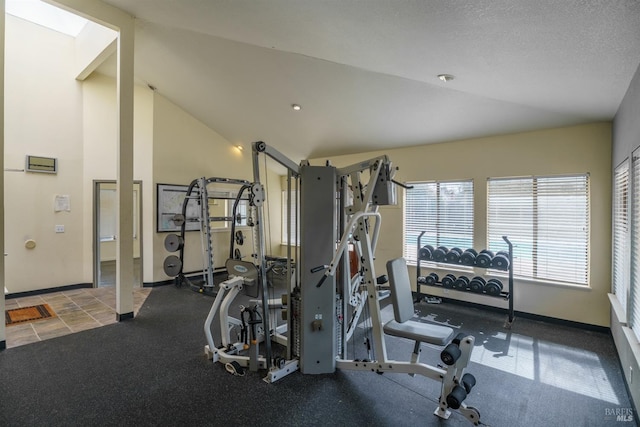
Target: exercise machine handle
[[405, 186], [324, 277], [319, 268]]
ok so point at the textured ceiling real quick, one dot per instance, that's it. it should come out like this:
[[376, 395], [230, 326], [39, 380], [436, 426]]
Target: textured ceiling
[[365, 71]]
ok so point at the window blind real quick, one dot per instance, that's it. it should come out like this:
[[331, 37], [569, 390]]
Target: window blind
[[444, 210], [621, 233], [635, 247], [547, 220]]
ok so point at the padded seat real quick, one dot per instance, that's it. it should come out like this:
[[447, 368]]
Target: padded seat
[[418, 331], [402, 325]]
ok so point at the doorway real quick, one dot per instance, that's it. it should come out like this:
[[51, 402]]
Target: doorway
[[105, 233]]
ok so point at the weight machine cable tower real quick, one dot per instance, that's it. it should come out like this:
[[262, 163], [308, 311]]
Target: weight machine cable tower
[[258, 198]]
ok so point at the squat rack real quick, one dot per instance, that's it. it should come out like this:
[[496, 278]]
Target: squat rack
[[198, 191]]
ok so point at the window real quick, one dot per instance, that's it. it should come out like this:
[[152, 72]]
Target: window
[[635, 251], [547, 220], [621, 233], [46, 15], [443, 210], [292, 205]]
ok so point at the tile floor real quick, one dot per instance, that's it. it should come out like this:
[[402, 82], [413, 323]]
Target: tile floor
[[76, 310]]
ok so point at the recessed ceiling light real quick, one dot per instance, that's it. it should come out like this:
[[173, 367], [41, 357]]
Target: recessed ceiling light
[[296, 107], [446, 77]]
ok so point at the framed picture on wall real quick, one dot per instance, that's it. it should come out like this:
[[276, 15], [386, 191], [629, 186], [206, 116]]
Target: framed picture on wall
[[170, 199]]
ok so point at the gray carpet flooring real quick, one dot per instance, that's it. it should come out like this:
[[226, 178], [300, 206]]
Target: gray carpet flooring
[[151, 371]]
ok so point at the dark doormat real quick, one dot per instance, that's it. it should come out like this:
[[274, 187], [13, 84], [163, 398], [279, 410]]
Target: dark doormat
[[28, 314]]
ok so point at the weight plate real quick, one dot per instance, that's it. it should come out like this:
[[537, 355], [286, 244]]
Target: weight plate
[[425, 253], [432, 279], [493, 287], [500, 262], [448, 281], [484, 260], [453, 256], [468, 258], [439, 254], [461, 283], [496, 281], [172, 265], [477, 285], [178, 220], [173, 242]]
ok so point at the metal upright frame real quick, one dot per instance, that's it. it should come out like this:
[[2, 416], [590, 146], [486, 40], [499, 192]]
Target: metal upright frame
[[257, 198]]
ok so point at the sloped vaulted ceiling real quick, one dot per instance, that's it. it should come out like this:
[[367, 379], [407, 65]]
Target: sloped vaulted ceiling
[[365, 72]]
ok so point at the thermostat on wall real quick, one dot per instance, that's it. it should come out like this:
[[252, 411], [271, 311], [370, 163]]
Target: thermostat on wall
[[41, 164]]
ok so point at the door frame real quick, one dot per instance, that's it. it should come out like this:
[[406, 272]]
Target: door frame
[[96, 228]]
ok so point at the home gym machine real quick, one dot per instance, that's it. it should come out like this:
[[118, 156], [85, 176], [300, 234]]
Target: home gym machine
[[338, 212], [201, 193]]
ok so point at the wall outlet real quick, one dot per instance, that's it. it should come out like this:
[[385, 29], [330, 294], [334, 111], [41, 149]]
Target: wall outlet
[[59, 228]]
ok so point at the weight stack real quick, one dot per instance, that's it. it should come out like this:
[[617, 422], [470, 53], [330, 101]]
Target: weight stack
[[295, 325], [339, 315]]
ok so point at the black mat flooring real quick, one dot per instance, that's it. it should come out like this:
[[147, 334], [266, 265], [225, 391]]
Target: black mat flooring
[[152, 371]]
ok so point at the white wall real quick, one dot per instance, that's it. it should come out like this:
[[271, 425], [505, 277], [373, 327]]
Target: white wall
[[576, 149], [93, 45], [100, 153], [143, 171], [43, 117]]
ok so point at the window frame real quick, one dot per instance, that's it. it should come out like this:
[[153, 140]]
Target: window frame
[[634, 262], [620, 234]]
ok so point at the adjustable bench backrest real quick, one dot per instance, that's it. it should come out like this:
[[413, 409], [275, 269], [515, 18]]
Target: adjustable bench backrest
[[404, 311], [400, 289]]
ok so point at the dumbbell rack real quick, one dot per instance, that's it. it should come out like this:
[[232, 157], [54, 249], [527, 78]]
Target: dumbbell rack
[[504, 295]]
